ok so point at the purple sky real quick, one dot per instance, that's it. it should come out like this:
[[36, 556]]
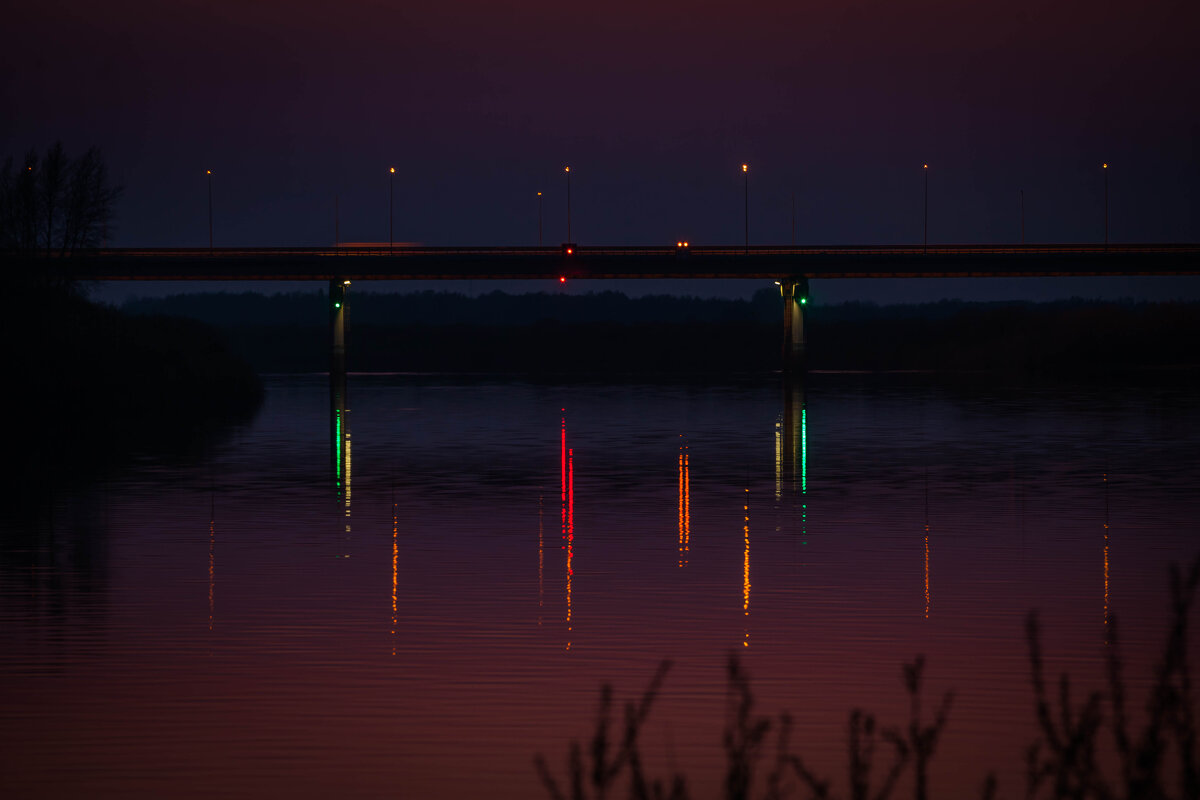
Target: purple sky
[[655, 105]]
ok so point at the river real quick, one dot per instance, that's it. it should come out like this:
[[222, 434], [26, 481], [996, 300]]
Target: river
[[420, 607]]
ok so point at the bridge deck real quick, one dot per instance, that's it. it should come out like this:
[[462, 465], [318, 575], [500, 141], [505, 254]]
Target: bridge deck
[[506, 263]]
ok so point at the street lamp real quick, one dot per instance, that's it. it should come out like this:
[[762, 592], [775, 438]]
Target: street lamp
[[568, 171], [1104, 166], [925, 246], [539, 219], [391, 198], [210, 238], [793, 219], [1022, 216], [746, 176]]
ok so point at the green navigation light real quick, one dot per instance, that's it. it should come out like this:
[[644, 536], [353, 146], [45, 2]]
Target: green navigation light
[[337, 459], [803, 301], [804, 451], [337, 305]]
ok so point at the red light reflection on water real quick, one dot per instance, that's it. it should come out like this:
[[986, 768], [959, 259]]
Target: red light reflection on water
[[567, 471]]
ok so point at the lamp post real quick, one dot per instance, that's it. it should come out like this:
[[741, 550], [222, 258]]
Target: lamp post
[[568, 171], [925, 245], [539, 219], [1104, 166], [793, 219], [391, 198], [210, 238], [746, 187], [1022, 216]]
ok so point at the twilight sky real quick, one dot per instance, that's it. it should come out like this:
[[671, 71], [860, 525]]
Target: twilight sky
[[654, 104]]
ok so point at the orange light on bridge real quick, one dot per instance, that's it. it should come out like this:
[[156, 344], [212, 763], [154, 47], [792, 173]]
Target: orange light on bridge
[[745, 167], [562, 278], [570, 250], [392, 170]]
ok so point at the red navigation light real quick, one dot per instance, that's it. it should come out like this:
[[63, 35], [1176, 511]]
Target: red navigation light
[[562, 278], [570, 250]]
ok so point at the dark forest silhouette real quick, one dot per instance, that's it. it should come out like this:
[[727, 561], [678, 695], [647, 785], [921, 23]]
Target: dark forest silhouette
[[608, 332]]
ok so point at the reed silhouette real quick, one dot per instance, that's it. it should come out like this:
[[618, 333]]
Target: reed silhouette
[[1158, 762]]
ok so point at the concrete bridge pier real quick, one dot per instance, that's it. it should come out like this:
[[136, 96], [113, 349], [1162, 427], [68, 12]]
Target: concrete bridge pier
[[337, 326], [795, 298], [338, 422]]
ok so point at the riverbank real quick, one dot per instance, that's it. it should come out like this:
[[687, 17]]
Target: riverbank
[[95, 385]]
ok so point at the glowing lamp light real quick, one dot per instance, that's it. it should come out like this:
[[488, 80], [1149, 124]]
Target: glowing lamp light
[[206, 172], [570, 250], [345, 283], [777, 283], [1105, 166], [562, 278], [685, 244], [566, 169], [925, 166], [745, 167]]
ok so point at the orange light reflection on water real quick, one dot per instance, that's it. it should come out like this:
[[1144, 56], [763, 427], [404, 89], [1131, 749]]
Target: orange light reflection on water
[[1106, 557], [926, 570], [685, 506], [746, 566], [212, 539], [395, 564]]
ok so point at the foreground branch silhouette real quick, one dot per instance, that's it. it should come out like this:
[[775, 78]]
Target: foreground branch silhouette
[[1159, 762]]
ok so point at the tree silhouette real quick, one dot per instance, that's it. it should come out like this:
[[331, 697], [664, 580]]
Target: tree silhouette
[[55, 205]]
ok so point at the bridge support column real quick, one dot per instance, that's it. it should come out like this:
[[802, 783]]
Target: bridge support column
[[337, 326], [338, 422], [795, 297]]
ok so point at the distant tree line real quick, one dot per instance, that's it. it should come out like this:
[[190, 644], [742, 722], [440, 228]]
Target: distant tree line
[[501, 308], [610, 332], [55, 205]]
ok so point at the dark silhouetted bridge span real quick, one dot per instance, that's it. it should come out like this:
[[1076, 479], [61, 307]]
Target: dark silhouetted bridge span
[[692, 262]]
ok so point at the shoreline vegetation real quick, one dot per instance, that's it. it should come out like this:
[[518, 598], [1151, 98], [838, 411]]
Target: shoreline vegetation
[[609, 333], [98, 386], [1156, 752], [93, 385]]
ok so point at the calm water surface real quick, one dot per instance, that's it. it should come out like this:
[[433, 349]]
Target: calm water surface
[[420, 615]]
